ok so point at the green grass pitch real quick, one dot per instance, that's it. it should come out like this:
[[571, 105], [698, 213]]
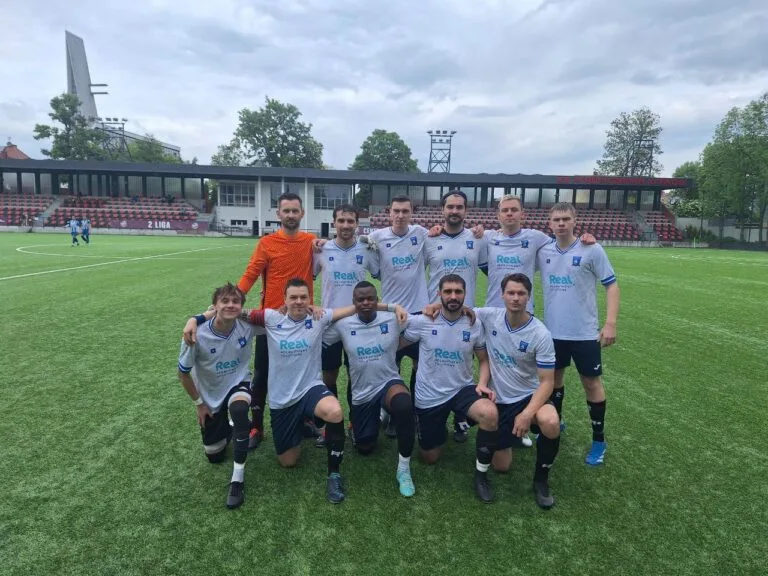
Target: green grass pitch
[[103, 473]]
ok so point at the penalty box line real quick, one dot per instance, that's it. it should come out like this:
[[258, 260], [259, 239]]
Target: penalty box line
[[136, 259]]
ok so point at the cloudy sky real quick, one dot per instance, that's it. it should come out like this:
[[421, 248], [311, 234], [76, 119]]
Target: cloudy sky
[[529, 85]]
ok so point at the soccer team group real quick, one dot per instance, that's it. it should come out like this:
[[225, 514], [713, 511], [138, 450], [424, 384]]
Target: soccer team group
[[426, 311]]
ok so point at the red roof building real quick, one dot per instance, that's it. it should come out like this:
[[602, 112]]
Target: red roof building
[[11, 152]]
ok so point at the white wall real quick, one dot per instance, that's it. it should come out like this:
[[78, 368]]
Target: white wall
[[750, 234]]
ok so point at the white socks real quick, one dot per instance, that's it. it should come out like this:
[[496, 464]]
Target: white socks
[[238, 472], [481, 467], [403, 463]]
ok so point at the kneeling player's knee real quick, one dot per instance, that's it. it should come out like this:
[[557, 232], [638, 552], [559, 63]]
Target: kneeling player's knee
[[430, 456], [401, 405], [238, 412], [549, 422], [334, 414], [365, 449], [487, 416]]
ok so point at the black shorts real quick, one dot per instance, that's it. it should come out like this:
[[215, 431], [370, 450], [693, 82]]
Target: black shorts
[[507, 415], [332, 357], [217, 431], [430, 422], [586, 355], [365, 417], [288, 423]]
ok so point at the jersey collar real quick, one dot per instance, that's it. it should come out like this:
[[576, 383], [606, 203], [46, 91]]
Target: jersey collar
[[567, 249]]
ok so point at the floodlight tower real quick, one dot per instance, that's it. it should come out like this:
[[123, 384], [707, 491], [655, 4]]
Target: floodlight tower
[[641, 158], [116, 144], [440, 150]]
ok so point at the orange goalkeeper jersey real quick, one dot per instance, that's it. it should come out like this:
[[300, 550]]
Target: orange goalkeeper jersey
[[276, 259]]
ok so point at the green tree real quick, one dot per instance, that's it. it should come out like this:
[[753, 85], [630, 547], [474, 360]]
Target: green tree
[[151, 151], [384, 151], [632, 145], [74, 139], [228, 155], [755, 119], [272, 136]]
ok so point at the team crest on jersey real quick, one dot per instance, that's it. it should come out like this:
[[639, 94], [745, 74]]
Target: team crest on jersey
[[388, 245], [308, 323], [523, 243], [523, 346], [548, 259], [353, 333], [577, 260], [213, 350], [414, 240], [359, 258], [465, 335], [434, 332], [242, 341], [493, 332], [496, 243], [384, 328], [470, 244], [280, 326], [440, 247]]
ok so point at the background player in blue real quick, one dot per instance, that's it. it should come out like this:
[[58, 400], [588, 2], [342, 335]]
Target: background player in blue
[[445, 382], [73, 231], [371, 340], [522, 357], [85, 232], [569, 274], [343, 262], [214, 371]]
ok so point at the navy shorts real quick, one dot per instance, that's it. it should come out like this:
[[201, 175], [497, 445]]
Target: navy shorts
[[365, 417], [430, 422], [331, 357], [586, 355], [507, 415], [288, 423], [217, 431]]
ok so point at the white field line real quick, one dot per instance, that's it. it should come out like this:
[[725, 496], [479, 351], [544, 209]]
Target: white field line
[[136, 259]]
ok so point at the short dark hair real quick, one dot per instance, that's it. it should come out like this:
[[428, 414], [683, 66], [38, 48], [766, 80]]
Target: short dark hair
[[452, 278], [362, 285], [289, 196], [295, 283], [228, 289], [520, 279], [400, 199], [346, 208], [454, 192]]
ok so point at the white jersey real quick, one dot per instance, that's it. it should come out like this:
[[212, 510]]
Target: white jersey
[[72, 226], [371, 349], [515, 354], [510, 255], [342, 269], [295, 349], [401, 266], [445, 356], [86, 224], [568, 278], [218, 362], [461, 254]]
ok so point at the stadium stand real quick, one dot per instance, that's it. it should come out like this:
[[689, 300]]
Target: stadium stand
[[603, 224], [22, 209], [101, 210], [663, 226]]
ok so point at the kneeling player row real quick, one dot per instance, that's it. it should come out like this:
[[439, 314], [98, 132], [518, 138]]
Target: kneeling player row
[[511, 395]]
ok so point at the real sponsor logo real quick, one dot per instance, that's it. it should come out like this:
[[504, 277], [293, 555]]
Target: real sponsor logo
[[294, 344], [228, 365], [503, 358], [509, 260], [344, 276], [556, 280], [455, 263], [368, 351], [403, 260], [452, 355]]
